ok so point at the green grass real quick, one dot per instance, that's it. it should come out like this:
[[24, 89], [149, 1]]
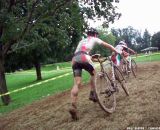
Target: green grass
[[148, 58], [22, 79], [27, 96], [51, 67]]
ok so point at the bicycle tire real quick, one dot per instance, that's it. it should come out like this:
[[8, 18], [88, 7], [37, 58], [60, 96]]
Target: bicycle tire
[[120, 78], [134, 68], [124, 68], [103, 87]]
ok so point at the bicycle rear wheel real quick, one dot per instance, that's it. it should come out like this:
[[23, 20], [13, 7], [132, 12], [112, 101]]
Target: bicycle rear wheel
[[104, 92], [133, 67]]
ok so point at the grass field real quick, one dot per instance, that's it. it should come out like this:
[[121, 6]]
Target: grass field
[[30, 90], [146, 58], [22, 82], [22, 79]]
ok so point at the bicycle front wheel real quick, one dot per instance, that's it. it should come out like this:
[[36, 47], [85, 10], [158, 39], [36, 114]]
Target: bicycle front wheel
[[104, 91], [120, 79], [133, 67]]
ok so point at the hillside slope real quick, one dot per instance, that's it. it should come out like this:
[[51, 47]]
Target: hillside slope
[[140, 109]]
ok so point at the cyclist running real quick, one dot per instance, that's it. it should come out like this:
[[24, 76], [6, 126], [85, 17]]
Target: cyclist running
[[124, 51], [82, 60]]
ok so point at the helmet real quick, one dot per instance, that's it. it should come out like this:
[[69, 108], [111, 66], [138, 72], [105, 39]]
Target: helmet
[[92, 32], [123, 43]]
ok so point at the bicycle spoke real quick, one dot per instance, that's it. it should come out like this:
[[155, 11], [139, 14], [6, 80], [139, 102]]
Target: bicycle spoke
[[104, 93]]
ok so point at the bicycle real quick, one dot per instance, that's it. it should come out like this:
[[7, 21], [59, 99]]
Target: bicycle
[[129, 66], [107, 85]]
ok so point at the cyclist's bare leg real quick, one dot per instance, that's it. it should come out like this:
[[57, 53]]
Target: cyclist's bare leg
[[74, 91], [74, 97], [92, 95], [92, 81]]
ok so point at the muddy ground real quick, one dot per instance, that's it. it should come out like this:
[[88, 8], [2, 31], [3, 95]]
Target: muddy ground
[[141, 110]]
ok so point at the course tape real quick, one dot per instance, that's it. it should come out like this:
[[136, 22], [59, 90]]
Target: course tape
[[36, 84]]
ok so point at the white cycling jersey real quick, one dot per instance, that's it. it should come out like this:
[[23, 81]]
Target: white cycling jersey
[[116, 58], [86, 45], [119, 48]]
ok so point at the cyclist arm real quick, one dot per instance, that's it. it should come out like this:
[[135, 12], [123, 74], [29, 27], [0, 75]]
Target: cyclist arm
[[106, 45], [132, 51]]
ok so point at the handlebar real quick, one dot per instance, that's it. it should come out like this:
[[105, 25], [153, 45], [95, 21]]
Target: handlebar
[[99, 58]]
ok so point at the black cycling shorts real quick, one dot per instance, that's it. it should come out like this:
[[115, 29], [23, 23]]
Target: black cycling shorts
[[77, 68]]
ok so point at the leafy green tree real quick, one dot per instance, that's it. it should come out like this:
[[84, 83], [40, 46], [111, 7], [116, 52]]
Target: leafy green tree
[[52, 40], [139, 44], [67, 33], [129, 35], [146, 39], [100, 9], [18, 18], [156, 40], [37, 52]]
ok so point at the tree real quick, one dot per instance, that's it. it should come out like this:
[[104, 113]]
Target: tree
[[37, 52], [129, 35], [139, 44], [146, 39], [156, 40], [66, 34], [18, 18], [52, 39], [100, 9]]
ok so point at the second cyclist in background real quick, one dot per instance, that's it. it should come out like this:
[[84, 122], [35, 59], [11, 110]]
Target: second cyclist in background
[[125, 52]]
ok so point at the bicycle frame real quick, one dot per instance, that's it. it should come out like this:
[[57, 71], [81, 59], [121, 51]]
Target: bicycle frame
[[112, 69], [126, 66], [106, 85], [113, 78]]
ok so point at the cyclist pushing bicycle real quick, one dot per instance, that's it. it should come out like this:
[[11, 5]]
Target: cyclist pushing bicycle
[[125, 52], [125, 63], [82, 60]]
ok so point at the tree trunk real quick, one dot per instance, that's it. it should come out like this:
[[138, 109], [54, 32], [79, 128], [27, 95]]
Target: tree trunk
[[38, 70], [3, 87]]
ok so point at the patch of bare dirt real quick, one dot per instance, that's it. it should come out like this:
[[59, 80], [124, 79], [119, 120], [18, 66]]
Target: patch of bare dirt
[[140, 109]]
